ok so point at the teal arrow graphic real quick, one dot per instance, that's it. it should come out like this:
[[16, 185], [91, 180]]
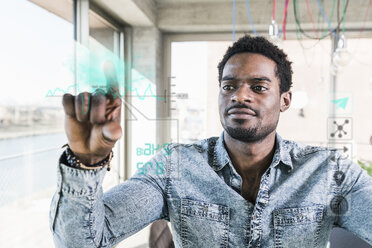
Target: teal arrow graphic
[[341, 103]]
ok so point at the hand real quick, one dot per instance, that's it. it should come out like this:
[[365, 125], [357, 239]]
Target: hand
[[92, 121]]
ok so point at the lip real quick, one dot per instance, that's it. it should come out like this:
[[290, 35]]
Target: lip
[[241, 112]]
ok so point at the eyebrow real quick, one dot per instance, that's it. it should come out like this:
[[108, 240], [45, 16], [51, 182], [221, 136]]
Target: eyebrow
[[228, 78], [232, 78], [261, 79]]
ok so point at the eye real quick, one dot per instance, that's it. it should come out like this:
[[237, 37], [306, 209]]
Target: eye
[[259, 88], [227, 87]]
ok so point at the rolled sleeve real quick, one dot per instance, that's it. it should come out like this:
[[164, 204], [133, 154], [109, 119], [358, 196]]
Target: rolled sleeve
[[75, 205], [82, 216]]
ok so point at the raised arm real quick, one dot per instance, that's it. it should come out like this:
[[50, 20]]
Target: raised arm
[[80, 214]]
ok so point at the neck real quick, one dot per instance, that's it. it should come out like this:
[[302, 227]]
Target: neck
[[250, 159]]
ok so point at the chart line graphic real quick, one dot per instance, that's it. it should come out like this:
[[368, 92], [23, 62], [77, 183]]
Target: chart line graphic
[[128, 88]]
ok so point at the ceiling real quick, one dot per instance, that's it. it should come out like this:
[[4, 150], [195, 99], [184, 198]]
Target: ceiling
[[168, 2], [216, 16]]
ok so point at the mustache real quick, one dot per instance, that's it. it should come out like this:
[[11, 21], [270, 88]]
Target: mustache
[[239, 105]]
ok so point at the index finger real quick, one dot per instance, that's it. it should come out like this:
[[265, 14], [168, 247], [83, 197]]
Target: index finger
[[112, 84]]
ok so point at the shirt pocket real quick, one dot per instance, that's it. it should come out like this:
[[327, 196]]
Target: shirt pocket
[[298, 227], [204, 224]]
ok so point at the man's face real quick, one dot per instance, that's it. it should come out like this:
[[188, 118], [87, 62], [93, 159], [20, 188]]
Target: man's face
[[249, 100]]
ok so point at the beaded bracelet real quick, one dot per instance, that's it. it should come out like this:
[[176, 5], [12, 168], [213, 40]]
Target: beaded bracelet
[[73, 161]]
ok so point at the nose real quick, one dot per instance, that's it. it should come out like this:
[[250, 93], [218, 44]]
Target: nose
[[242, 95]]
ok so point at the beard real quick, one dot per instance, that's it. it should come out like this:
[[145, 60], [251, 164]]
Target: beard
[[249, 135]]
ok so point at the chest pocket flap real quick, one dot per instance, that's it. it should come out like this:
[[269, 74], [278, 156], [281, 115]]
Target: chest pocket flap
[[204, 210], [204, 224], [294, 216]]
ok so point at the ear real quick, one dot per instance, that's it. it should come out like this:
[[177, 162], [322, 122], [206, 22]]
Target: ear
[[285, 100]]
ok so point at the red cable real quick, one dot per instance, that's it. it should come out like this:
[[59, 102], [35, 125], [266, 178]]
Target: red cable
[[285, 17], [365, 19], [274, 10], [311, 18]]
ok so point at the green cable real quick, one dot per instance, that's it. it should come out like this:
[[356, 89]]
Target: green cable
[[343, 16], [325, 33], [298, 26]]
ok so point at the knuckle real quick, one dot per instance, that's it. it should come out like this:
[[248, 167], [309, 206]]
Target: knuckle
[[98, 99], [67, 98], [83, 94]]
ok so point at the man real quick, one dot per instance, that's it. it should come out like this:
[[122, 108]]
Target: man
[[247, 188]]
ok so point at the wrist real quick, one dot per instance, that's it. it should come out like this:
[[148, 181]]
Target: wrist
[[88, 159], [87, 162]]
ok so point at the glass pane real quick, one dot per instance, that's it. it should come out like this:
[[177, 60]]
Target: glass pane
[[103, 46], [143, 120], [101, 31], [355, 85], [33, 65], [189, 90]]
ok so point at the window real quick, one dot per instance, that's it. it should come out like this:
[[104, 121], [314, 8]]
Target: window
[[104, 44], [188, 89], [34, 70]]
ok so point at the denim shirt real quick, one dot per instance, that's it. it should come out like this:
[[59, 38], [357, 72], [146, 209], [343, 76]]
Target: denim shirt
[[304, 193]]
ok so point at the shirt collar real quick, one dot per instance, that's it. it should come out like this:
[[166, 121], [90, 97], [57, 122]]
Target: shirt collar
[[281, 154], [220, 155]]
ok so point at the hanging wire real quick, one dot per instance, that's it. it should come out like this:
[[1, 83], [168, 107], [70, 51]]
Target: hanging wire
[[250, 17], [343, 19], [338, 14], [365, 19], [311, 18], [325, 18], [324, 35], [325, 32], [329, 23], [234, 18], [285, 17], [353, 54], [338, 10], [300, 38], [274, 10]]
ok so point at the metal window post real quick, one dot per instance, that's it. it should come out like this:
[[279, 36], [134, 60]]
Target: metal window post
[[81, 21], [127, 125], [333, 80], [81, 31]]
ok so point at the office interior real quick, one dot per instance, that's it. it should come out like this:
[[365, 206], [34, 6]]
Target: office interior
[[167, 53]]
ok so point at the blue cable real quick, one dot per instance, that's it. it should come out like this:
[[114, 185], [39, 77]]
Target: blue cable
[[325, 17], [250, 18], [234, 8]]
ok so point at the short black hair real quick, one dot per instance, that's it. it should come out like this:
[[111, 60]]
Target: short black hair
[[260, 45]]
